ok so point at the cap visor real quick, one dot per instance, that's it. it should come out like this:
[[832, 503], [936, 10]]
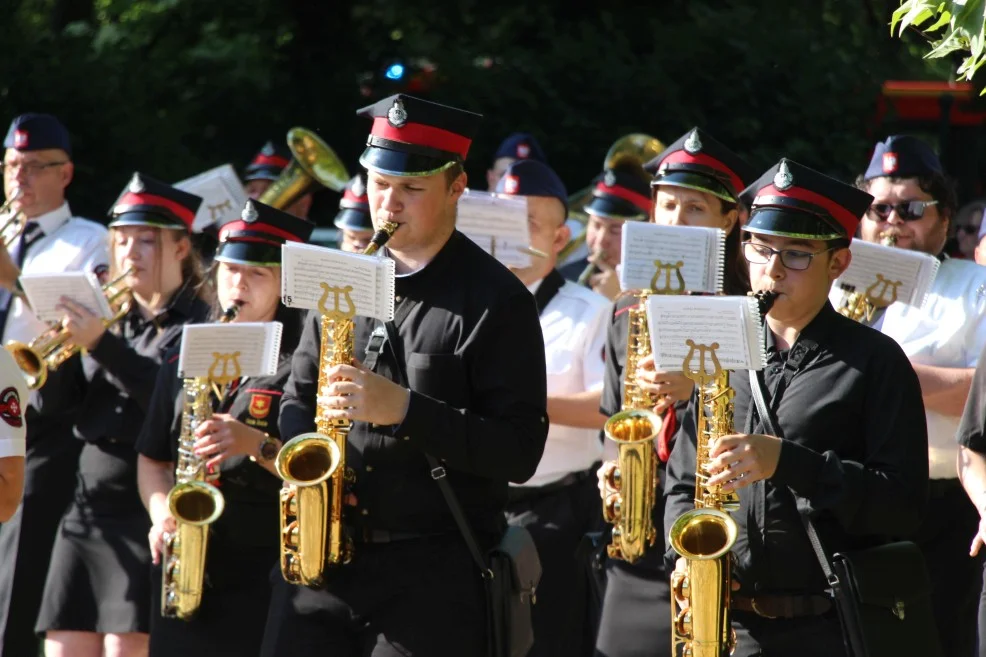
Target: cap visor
[[353, 220], [695, 181], [614, 208], [256, 254], [400, 163], [152, 219], [261, 174], [788, 223]]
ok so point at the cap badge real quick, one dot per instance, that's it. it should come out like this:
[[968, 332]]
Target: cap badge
[[889, 162], [136, 185], [397, 115], [358, 188], [693, 144], [267, 150], [249, 213], [511, 184], [609, 178], [783, 178], [20, 139], [523, 151]]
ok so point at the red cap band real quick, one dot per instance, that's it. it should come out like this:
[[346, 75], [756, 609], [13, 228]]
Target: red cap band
[[422, 135], [846, 219], [684, 157], [270, 161], [177, 209], [349, 196], [256, 227], [639, 200]]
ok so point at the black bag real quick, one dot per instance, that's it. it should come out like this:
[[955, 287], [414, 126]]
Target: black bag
[[882, 594]]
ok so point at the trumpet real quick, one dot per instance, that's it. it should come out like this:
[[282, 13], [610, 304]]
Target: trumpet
[[47, 352], [16, 220]]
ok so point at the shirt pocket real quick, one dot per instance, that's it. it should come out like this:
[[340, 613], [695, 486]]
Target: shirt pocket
[[440, 376]]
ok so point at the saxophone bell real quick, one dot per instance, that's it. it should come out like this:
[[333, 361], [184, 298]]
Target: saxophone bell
[[195, 505]]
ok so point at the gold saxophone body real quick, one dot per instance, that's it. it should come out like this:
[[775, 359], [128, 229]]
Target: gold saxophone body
[[313, 465], [633, 429], [195, 504]]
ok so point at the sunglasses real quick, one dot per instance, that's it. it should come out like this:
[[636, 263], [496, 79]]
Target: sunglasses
[[906, 210]]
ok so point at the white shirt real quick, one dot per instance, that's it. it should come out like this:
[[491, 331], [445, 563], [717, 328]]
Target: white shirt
[[13, 396], [948, 331], [69, 244], [574, 329]]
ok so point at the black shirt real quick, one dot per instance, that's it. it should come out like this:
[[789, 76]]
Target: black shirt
[[855, 447], [474, 353], [973, 425]]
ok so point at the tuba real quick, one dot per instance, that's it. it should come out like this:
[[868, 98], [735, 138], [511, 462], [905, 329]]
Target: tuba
[[705, 535], [195, 503], [312, 535], [313, 164], [48, 351], [14, 222]]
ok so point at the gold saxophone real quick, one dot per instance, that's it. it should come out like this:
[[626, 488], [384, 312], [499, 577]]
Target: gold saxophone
[[312, 535], [195, 504], [862, 306], [705, 535]]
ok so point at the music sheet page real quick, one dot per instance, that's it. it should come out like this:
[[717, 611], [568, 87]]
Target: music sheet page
[[498, 224], [698, 249], [44, 292], [911, 272], [229, 350]]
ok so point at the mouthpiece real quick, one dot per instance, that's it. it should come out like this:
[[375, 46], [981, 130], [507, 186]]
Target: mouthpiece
[[230, 314], [381, 237], [765, 300]]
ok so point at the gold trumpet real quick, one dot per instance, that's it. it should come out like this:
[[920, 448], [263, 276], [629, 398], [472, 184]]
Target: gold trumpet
[[17, 220], [313, 164], [312, 535], [47, 352]]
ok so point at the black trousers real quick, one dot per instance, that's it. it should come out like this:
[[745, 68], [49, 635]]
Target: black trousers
[[811, 636], [420, 597], [26, 540], [636, 616], [557, 521], [982, 617], [944, 538]]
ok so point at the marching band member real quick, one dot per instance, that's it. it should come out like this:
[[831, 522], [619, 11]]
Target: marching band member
[[697, 182], [38, 166], [96, 596], [848, 405], [467, 332], [914, 201], [13, 431], [557, 505], [518, 146], [265, 167], [353, 221], [241, 440], [972, 473]]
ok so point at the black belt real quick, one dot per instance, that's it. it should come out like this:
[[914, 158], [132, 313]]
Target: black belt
[[366, 535], [521, 493], [783, 606]]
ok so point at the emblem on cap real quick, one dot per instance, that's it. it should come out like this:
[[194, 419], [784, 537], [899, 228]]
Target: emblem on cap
[[136, 185], [889, 162], [693, 144], [609, 178], [397, 115], [523, 151], [358, 188], [267, 150], [511, 184], [249, 213], [20, 139], [783, 178]]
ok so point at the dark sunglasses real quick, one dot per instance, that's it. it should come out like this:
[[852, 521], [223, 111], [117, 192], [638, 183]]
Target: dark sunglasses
[[906, 210]]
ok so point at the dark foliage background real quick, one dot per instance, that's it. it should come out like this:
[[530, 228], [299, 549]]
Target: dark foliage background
[[173, 87]]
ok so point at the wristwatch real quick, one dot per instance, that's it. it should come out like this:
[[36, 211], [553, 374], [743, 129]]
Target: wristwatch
[[267, 450]]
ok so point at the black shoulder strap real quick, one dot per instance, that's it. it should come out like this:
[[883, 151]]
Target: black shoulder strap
[[547, 290]]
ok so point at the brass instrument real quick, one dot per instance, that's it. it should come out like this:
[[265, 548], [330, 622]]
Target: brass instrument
[[312, 535], [705, 535], [195, 503], [11, 219], [862, 306], [48, 351], [590, 270], [313, 164]]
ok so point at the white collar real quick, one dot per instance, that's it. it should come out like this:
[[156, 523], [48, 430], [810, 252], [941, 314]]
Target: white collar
[[49, 222], [533, 287]]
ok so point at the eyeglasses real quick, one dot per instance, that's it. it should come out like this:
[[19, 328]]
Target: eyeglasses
[[30, 168], [906, 210], [760, 254]]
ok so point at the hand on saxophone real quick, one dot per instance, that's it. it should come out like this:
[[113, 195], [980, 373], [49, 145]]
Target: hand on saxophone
[[738, 460], [224, 437], [604, 474], [83, 327], [666, 387], [356, 393], [155, 537]]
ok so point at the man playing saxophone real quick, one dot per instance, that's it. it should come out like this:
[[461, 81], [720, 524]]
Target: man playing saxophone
[[462, 380], [848, 405]]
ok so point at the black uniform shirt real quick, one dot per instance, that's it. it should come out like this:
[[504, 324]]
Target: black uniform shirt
[[855, 447], [972, 428], [475, 364]]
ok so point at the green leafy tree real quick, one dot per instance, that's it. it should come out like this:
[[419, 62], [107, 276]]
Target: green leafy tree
[[954, 28]]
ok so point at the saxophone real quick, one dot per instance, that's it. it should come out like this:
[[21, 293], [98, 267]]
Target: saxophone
[[195, 503], [705, 535], [633, 429], [861, 306], [312, 535]]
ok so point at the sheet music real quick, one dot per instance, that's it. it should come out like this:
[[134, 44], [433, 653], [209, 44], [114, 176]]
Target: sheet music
[[305, 268], [732, 322], [914, 270], [44, 292], [498, 224], [229, 350], [223, 196], [701, 250]]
